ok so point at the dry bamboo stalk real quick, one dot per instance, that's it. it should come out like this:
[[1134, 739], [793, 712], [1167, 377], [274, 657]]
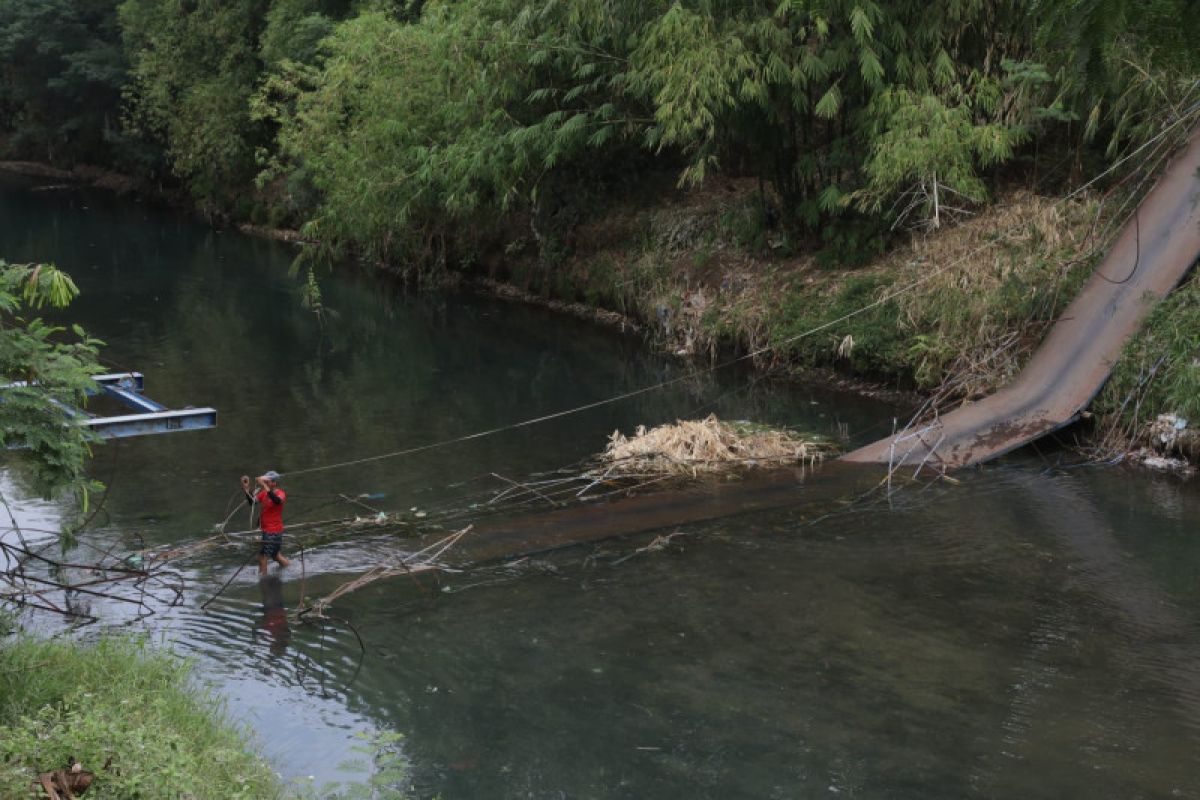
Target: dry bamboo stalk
[[528, 488], [424, 560], [690, 447]]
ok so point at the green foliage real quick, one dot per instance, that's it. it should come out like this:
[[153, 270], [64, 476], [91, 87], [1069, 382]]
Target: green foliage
[[687, 65], [1124, 65], [1158, 373], [387, 163], [194, 67], [934, 150], [837, 103], [48, 371], [414, 131], [397, 126], [871, 342], [118, 699], [294, 30], [497, 102], [61, 73], [808, 89]]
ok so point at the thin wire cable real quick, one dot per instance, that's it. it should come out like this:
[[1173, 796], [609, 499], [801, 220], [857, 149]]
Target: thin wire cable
[[1137, 258], [885, 298]]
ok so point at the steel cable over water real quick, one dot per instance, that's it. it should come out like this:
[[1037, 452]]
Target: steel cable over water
[[885, 298], [561, 490]]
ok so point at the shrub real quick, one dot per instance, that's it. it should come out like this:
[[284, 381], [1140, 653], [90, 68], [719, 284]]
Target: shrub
[[1158, 373]]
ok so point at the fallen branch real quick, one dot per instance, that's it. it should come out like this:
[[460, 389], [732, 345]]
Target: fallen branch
[[424, 560], [659, 543]]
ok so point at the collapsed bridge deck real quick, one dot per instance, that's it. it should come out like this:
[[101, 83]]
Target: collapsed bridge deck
[[1152, 254]]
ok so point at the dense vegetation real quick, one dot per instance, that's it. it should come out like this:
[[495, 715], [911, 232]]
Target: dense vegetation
[[1159, 374], [391, 125]]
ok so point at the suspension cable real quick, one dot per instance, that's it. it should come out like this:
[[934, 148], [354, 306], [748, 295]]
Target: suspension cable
[[883, 299]]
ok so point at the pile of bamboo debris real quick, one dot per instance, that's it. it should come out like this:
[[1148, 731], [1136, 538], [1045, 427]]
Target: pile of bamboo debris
[[691, 447]]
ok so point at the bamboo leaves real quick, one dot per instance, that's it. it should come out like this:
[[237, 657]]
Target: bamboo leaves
[[844, 106], [830, 103], [689, 71], [928, 152], [861, 25]]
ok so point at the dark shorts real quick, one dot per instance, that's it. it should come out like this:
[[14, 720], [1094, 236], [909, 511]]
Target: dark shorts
[[271, 542]]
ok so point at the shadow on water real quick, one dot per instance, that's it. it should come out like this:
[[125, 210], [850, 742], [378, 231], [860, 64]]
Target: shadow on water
[[275, 618]]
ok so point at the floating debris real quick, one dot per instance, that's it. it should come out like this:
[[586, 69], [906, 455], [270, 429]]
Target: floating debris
[[690, 447], [425, 560], [1171, 434]]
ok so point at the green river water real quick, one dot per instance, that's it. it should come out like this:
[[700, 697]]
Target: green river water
[[1030, 631]]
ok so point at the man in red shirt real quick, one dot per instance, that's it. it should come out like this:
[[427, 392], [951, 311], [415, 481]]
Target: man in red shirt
[[270, 499]]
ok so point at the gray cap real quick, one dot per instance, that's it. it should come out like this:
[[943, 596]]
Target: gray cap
[[272, 475]]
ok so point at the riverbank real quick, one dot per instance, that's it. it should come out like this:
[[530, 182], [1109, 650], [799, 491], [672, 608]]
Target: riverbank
[[942, 317], [939, 317], [128, 714], [79, 175]]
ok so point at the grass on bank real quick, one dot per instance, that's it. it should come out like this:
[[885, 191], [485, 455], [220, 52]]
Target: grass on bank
[[986, 289], [983, 294], [119, 698], [706, 273], [1158, 373]]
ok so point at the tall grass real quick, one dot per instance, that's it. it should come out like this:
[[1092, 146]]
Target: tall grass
[[119, 699], [982, 295], [706, 273], [1158, 373]]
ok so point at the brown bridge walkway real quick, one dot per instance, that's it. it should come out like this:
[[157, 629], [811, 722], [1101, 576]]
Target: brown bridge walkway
[[1152, 254]]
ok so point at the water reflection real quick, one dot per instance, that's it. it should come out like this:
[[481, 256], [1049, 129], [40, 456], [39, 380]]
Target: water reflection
[[274, 617]]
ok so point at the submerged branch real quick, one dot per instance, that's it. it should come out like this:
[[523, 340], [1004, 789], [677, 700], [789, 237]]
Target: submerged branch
[[424, 560]]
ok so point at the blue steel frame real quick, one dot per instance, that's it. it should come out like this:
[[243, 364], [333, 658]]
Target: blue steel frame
[[151, 417]]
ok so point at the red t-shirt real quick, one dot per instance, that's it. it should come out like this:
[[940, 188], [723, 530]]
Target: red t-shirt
[[270, 513]]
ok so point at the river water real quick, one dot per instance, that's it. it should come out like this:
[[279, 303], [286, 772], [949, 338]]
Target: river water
[[1029, 631]]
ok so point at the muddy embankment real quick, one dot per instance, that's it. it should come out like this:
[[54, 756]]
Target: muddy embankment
[[79, 175], [939, 317], [947, 316]]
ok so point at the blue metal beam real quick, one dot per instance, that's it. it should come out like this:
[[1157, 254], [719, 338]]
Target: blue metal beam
[[153, 417], [131, 398], [128, 380], [188, 419]]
